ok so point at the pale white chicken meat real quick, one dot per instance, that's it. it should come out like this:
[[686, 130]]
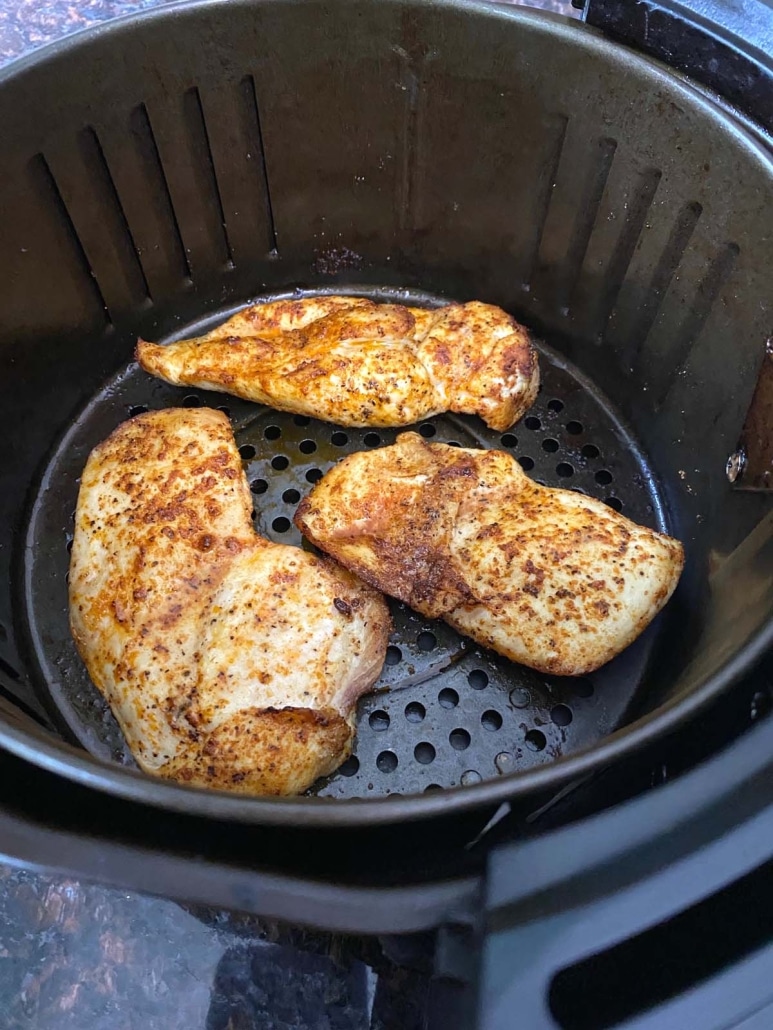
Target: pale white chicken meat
[[229, 661], [357, 363], [547, 577]]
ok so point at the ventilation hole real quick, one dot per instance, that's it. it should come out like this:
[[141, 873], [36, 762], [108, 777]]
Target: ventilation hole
[[459, 739], [371, 439], [574, 428], [477, 679], [470, 776], [532, 422], [615, 503], [427, 430], [226, 411], [281, 525], [192, 401], [280, 462], [424, 753], [453, 443], [291, 496], [561, 715], [520, 697], [258, 486], [339, 439], [301, 420], [386, 762], [426, 641], [314, 475], [526, 463], [555, 405], [564, 469], [307, 446], [491, 720], [582, 687], [448, 698], [138, 409], [394, 655], [272, 432], [590, 451], [603, 477], [378, 721], [504, 762], [69, 545], [350, 766], [508, 440], [415, 712], [549, 445], [432, 788], [247, 451], [535, 740]]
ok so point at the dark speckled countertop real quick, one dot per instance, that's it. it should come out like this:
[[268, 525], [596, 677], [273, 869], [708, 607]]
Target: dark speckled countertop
[[75, 956], [27, 24]]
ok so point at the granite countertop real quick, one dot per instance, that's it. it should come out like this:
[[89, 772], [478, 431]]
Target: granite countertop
[[75, 956], [28, 24]]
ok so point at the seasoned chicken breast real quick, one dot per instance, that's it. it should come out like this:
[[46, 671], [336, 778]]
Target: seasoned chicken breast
[[352, 361], [229, 661], [549, 578]]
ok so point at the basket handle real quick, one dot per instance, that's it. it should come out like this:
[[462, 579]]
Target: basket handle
[[567, 911], [52, 824]]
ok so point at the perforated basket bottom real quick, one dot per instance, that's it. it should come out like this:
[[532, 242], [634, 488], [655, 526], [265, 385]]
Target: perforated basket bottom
[[445, 712]]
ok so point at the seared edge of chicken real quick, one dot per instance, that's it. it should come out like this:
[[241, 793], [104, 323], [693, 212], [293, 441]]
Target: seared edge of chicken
[[229, 661], [352, 361], [547, 577]]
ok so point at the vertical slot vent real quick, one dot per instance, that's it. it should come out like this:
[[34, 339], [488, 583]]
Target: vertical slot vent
[[706, 296], [250, 99], [543, 191], [158, 187], [72, 255], [203, 168], [588, 212], [110, 212], [665, 270], [622, 254]]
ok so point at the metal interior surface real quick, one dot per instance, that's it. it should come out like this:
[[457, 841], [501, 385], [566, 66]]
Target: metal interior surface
[[448, 146], [444, 713]]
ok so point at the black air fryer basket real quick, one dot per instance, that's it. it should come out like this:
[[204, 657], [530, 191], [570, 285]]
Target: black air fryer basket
[[159, 173]]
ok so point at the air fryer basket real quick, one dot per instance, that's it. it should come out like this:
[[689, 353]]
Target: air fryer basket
[[161, 172]]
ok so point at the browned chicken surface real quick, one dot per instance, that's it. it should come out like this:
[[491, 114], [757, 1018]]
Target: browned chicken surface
[[547, 577], [352, 361], [229, 661]]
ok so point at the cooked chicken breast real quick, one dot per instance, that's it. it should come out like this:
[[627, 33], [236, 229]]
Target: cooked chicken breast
[[357, 363], [549, 578], [229, 661]]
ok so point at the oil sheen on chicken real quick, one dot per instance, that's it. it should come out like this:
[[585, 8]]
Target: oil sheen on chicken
[[357, 363], [547, 577], [229, 661]]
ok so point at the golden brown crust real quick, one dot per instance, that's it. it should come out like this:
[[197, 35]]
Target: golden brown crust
[[266, 751], [547, 577], [197, 630], [357, 363]]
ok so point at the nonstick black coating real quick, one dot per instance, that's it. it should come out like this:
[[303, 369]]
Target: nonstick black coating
[[474, 150], [444, 712]]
